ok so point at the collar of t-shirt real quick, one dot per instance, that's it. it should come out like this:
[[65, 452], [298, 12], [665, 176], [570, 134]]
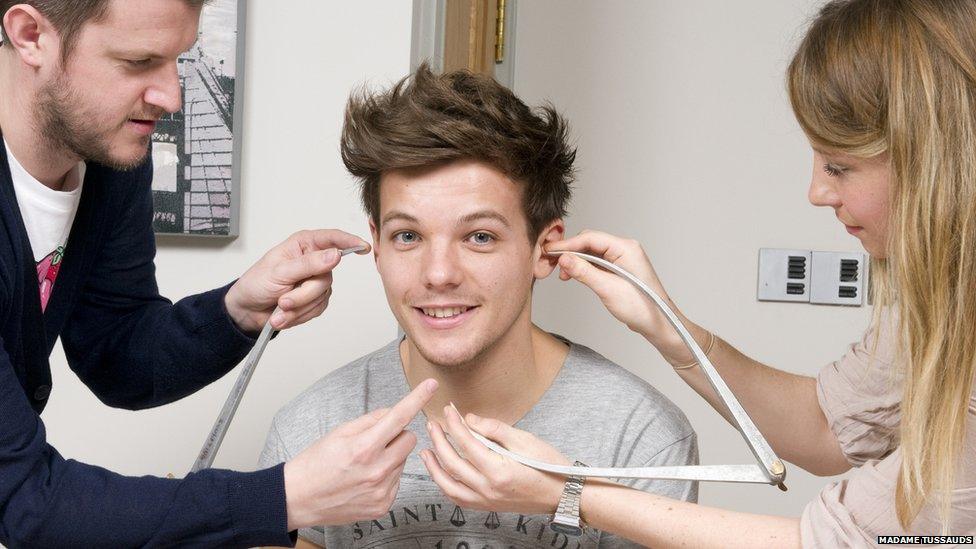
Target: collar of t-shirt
[[48, 215]]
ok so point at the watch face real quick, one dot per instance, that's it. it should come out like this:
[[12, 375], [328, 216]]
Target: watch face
[[567, 529]]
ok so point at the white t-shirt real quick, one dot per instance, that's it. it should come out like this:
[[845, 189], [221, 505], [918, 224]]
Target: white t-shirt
[[48, 216]]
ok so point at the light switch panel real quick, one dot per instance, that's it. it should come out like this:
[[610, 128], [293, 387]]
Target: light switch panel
[[784, 275], [838, 278]]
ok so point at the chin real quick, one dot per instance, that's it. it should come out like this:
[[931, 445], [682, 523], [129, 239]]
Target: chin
[[876, 252], [447, 353], [129, 159], [447, 356]]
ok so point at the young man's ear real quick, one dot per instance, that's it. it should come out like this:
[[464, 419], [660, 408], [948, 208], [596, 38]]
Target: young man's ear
[[31, 35], [375, 233], [545, 264]]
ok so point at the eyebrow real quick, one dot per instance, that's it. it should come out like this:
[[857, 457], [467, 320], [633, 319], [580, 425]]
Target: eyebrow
[[140, 52], [484, 214], [395, 215], [474, 216]]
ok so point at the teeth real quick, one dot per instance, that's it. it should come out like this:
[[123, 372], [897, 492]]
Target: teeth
[[445, 312]]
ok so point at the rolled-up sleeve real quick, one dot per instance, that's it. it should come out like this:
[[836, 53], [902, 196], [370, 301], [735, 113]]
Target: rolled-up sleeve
[[860, 395]]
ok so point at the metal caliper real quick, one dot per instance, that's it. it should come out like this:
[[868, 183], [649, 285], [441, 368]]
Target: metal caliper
[[769, 469], [206, 457]]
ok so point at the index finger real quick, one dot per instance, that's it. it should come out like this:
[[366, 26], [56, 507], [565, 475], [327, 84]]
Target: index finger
[[397, 419], [361, 423], [595, 243]]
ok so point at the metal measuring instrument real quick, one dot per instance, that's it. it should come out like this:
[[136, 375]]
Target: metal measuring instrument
[[769, 469], [206, 457]]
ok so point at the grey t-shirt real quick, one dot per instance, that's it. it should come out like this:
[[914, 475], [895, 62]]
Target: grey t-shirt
[[594, 411]]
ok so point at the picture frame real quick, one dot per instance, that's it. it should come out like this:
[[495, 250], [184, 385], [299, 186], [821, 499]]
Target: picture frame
[[196, 151]]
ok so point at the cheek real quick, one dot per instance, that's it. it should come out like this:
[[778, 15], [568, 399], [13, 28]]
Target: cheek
[[124, 99], [395, 274], [873, 208], [506, 278]]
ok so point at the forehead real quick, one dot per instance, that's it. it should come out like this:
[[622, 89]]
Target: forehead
[[164, 28], [449, 192]]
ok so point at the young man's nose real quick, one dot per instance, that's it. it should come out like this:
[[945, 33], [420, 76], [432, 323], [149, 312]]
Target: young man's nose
[[164, 91], [441, 267]]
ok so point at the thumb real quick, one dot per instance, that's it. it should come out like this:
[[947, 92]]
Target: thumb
[[495, 430]]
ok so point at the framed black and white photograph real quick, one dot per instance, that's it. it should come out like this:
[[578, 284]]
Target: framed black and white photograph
[[196, 151]]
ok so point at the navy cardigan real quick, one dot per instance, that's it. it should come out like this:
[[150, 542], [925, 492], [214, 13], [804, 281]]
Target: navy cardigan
[[133, 349]]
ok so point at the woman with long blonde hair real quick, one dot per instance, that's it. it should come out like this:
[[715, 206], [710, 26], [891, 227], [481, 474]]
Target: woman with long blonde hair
[[885, 90]]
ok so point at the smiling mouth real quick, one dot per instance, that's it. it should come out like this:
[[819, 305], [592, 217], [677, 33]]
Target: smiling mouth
[[444, 312]]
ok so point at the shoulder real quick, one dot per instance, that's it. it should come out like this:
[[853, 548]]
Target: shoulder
[[334, 399], [636, 403]]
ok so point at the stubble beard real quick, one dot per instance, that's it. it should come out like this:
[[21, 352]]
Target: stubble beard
[[66, 127], [482, 347]]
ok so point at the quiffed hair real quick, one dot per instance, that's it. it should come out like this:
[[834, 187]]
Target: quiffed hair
[[427, 119]]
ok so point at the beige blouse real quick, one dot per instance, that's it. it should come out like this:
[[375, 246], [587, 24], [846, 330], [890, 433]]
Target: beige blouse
[[861, 395]]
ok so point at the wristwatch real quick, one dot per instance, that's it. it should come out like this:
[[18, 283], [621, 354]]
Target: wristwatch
[[567, 518]]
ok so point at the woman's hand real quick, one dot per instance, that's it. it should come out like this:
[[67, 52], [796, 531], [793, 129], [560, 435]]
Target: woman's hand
[[487, 481], [625, 302]]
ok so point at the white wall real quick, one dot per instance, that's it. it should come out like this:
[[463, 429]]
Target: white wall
[[687, 143], [303, 57]]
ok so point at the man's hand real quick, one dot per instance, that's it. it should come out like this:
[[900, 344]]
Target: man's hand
[[295, 276], [353, 473]]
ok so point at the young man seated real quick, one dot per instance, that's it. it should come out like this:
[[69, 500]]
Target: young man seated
[[464, 185]]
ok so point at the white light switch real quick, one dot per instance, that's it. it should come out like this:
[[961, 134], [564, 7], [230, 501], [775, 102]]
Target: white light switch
[[838, 278], [784, 275]]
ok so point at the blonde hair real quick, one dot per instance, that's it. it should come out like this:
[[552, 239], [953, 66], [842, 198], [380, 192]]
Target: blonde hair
[[899, 77]]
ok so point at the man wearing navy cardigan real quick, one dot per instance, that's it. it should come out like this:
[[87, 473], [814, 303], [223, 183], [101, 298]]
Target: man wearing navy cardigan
[[82, 83]]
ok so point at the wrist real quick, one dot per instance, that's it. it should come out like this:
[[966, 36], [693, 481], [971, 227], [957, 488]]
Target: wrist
[[293, 500], [567, 519], [673, 348], [246, 321], [550, 496]]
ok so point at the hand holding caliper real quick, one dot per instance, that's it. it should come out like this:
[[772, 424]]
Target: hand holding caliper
[[621, 298], [783, 405], [293, 281]]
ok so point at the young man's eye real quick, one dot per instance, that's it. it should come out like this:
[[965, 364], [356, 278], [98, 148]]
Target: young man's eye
[[139, 62], [833, 170], [405, 237], [482, 238]]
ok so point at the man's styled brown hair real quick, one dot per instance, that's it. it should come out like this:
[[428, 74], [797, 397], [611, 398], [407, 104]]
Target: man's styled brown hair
[[68, 16], [427, 119]]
